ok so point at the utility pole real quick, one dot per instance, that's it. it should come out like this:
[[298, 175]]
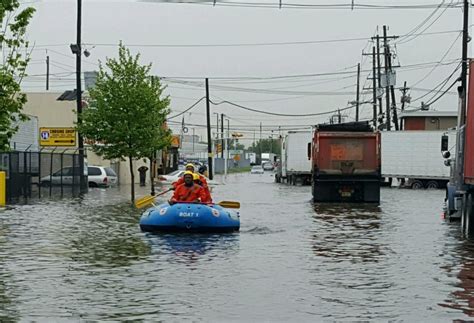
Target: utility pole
[[374, 87], [387, 87], [358, 92], [209, 138], [465, 41], [47, 73], [379, 76], [404, 100], [462, 90], [222, 135], [260, 143], [392, 92], [82, 181]]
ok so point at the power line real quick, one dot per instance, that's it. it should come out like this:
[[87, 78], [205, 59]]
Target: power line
[[283, 114], [289, 43], [277, 5], [188, 109]]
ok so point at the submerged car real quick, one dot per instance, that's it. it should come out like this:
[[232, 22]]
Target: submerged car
[[97, 176]]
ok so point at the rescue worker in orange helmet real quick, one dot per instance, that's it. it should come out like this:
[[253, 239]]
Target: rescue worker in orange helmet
[[197, 180], [188, 191], [189, 167]]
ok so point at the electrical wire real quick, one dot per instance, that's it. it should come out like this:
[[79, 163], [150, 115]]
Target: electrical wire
[[277, 5], [188, 109], [283, 114]]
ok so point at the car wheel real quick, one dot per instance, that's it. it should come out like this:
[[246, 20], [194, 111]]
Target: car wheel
[[46, 184], [93, 184]]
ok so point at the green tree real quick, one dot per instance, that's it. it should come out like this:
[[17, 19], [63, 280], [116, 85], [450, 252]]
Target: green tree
[[127, 116], [12, 67], [266, 146]]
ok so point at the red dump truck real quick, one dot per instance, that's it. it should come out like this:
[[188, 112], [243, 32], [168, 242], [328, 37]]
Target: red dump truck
[[346, 163]]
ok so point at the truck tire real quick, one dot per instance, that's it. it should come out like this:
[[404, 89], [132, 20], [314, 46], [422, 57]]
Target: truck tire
[[432, 185], [417, 185]]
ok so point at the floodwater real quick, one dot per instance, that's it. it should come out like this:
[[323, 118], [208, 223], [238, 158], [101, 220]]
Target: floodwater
[[87, 260]]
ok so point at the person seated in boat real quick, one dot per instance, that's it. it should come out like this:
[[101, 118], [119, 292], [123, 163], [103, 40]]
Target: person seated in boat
[[197, 180], [188, 191], [190, 168]]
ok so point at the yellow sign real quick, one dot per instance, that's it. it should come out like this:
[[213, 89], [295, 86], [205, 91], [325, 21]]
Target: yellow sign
[[57, 136], [175, 141]]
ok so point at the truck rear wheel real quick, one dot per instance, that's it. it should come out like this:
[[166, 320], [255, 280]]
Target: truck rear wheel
[[432, 185], [417, 185]]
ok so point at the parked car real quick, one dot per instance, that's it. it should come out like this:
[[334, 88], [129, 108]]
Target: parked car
[[257, 170], [174, 176], [268, 166], [171, 177], [64, 176], [99, 176]]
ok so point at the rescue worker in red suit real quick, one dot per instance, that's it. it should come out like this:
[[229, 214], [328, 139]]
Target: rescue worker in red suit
[[202, 180], [197, 180], [188, 191]]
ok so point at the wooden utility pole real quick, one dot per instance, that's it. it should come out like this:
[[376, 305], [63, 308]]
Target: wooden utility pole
[[465, 46], [387, 80], [379, 76], [392, 92], [358, 92], [209, 138], [222, 135], [47, 73], [80, 143], [404, 100], [374, 87]]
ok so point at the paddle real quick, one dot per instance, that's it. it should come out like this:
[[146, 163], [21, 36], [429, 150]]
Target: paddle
[[147, 200], [229, 204]]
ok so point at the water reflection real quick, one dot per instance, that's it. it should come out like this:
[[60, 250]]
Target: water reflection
[[462, 298], [348, 232], [8, 312], [110, 242], [192, 248]]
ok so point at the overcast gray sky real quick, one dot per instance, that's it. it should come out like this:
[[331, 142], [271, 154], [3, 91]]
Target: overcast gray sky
[[145, 24]]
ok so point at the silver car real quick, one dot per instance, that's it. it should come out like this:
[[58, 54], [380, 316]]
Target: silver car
[[100, 176], [97, 176]]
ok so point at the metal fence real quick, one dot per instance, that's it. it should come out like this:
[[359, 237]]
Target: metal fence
[[36, 174]]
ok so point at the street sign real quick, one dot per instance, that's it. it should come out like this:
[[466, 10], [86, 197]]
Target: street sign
[[55, 136]]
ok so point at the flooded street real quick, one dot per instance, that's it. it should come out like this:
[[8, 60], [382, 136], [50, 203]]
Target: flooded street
[[87, 259]]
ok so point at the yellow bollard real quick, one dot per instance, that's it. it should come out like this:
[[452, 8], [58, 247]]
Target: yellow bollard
[[3, 191]]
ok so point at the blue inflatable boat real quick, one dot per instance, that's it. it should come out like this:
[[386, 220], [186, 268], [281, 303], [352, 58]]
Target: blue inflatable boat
[[189, 217]]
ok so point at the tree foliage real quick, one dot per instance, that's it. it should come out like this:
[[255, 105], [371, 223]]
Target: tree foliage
[[127, 115], [12, 67], [266, 146]]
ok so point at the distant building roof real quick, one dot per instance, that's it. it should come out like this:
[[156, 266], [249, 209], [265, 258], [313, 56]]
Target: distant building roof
[[422, 114]]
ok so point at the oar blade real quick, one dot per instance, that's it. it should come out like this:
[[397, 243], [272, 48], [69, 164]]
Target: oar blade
[[230, 204], [144, 201]]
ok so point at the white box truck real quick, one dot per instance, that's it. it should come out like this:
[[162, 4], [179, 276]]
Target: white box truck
[[295, 165], [414, 157]]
